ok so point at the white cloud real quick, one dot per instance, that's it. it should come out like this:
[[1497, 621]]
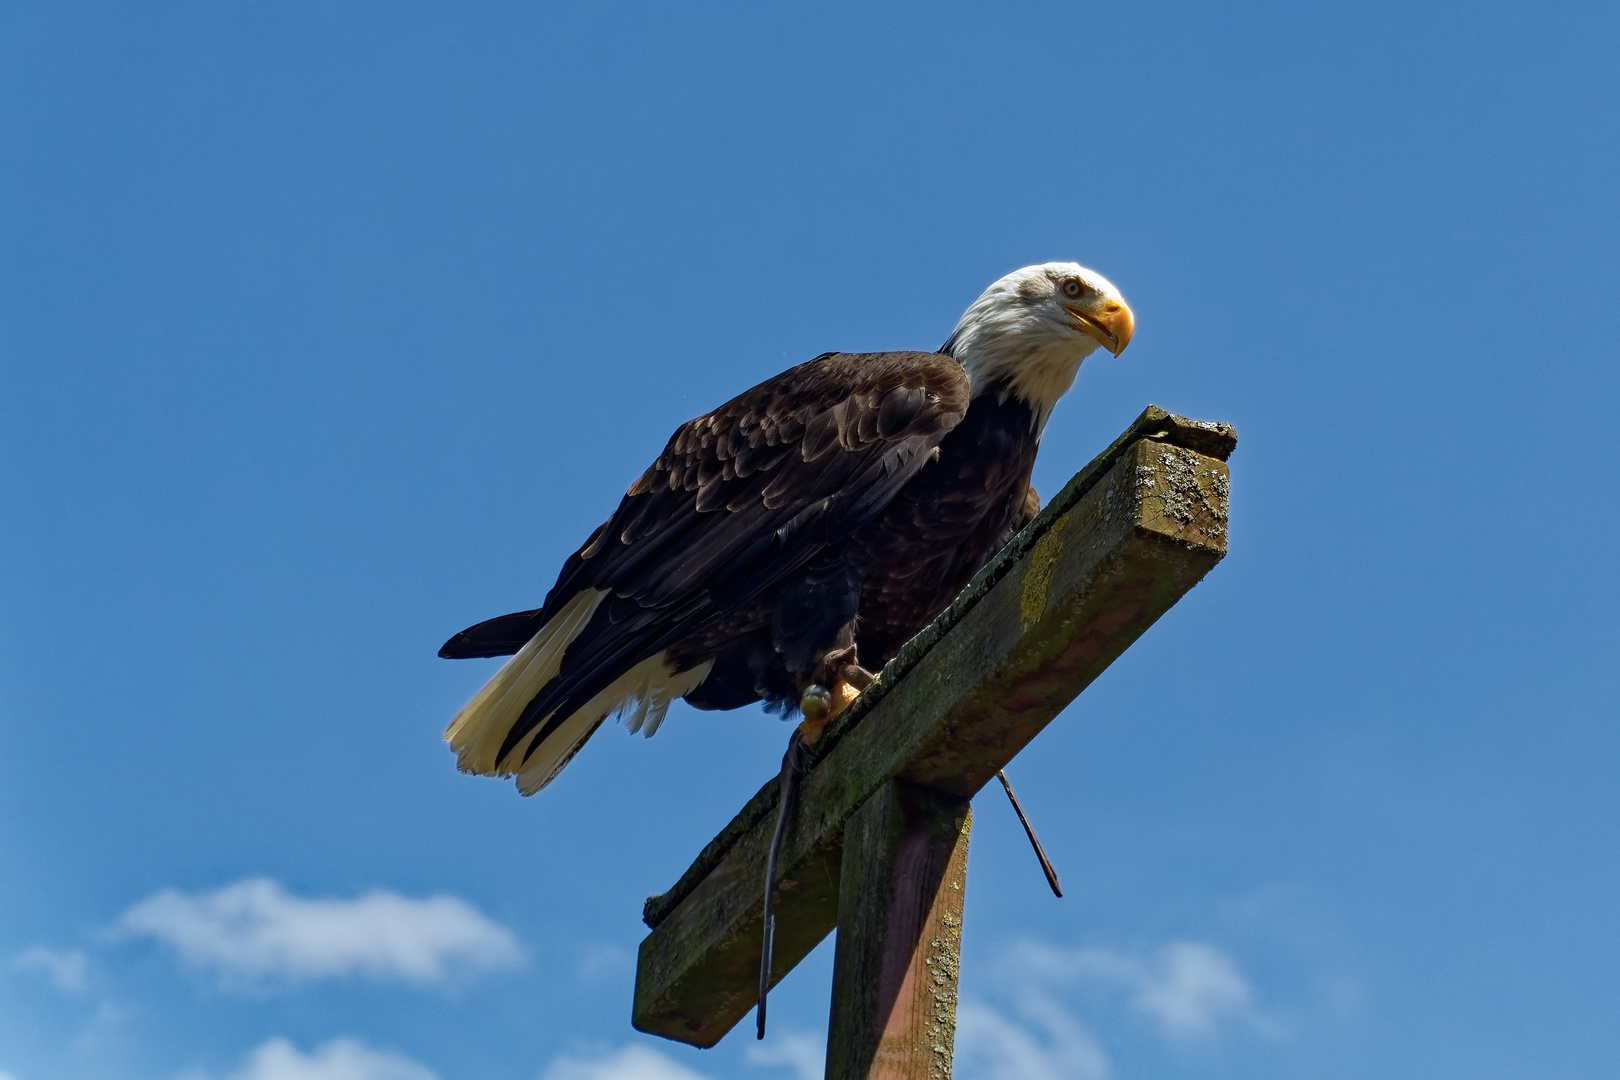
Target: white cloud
[[6, 1076], [1187, 988], [1048, 1045], [340, 1059], [804, 1054], [255, 929], [626, 1063], [65, 968], [1190, 988]]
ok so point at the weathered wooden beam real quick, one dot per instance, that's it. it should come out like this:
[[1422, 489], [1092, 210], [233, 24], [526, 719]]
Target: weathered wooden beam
[[903, 880], [1114, 550]]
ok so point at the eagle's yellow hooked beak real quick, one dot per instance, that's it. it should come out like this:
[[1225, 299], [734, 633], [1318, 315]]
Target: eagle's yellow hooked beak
[[1109, 321]]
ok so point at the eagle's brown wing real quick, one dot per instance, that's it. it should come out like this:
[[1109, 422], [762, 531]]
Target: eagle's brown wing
[[740, 497]]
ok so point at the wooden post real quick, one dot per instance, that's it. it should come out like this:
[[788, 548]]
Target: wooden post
[[1112, 552], [899, 944]]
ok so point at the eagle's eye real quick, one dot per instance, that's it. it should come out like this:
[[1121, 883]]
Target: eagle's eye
[[1072, 287]]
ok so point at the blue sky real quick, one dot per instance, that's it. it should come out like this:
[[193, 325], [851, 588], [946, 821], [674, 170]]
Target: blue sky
[[330, 329]]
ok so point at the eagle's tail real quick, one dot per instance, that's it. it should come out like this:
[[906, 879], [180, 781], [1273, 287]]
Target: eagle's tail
[[642, 694]]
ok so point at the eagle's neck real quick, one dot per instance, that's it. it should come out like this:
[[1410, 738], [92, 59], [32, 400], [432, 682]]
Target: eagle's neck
[[1017, 354]]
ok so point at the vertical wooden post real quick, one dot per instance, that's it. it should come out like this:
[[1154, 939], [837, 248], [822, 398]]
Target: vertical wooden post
[[896, 962]]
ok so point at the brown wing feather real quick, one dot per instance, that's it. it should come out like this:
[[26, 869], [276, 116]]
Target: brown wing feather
[[741, 497], [738, 460]]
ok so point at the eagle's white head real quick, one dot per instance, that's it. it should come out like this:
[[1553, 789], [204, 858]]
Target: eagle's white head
[[1029, 331]]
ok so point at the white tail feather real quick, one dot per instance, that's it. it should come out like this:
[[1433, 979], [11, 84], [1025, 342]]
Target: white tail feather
[[641, 695], [655, 715], [645, 691], [477, 731], [632, 717]]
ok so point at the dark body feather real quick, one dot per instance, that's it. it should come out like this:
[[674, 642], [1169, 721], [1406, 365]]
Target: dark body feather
[[821, 518]]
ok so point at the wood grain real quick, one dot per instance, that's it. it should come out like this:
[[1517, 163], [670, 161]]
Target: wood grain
[[895, 971]]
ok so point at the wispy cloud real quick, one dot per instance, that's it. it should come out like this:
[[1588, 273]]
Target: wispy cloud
[[65, 969], [255, 930], [806, 1055], [1043, 1043], [1187, 988], [340, 1059], [626, 1063]]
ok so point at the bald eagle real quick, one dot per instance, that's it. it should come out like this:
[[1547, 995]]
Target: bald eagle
[[794, 538]]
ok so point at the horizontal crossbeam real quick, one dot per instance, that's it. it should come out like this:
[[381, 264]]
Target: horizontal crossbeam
[[1114, 550]]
